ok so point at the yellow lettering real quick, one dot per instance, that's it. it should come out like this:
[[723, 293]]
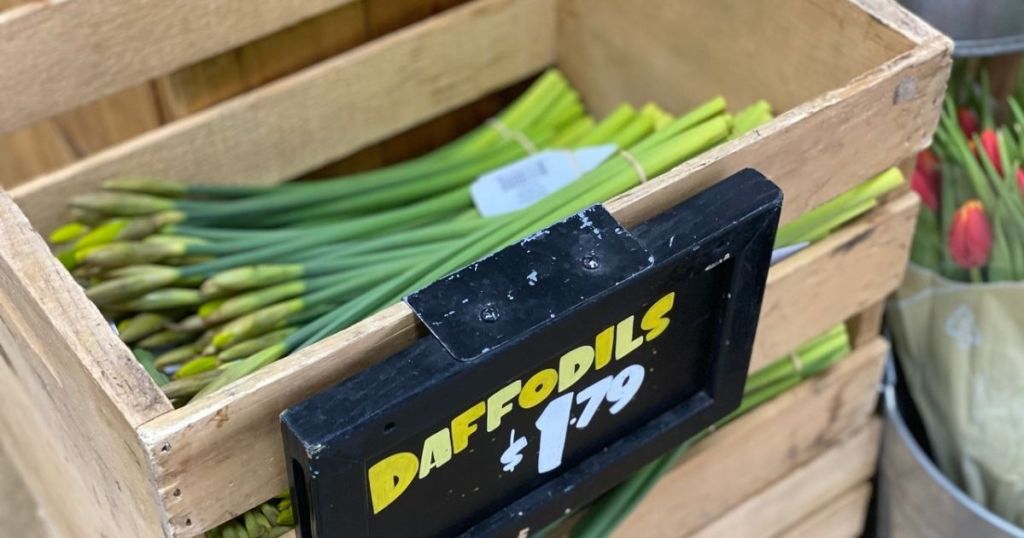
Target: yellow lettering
[[437, 451], [654, 320], [624, 341], [603, 347], [464, 425], [389, 477], [538, 388], [498, 404], [574, 365]]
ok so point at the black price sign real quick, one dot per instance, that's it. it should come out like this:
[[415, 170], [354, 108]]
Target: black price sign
[[555, 368]]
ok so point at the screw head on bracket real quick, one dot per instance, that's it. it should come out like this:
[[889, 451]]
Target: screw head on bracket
[[489, 314]]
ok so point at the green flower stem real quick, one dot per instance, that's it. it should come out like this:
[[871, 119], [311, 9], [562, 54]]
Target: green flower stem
[[188, 387], [606, 128], [325, 276], [242, 327], [409, 192], [610, 179], [253, 345], [484, 241], [530, 109], [949, 133], [361, 227], [822, 219], [704, 112]]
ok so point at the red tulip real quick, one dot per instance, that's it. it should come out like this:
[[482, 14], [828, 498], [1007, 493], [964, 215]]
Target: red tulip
[[968, 121], [1020, 180], [925, 187], [990, 142], [928, 163], [970, 237]]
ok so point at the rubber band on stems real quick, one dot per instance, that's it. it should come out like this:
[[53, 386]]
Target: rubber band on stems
[[797, 365], [637, 167], [511, 134]]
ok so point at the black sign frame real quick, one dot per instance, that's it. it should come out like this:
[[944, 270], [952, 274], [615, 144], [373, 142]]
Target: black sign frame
[[489, 327]]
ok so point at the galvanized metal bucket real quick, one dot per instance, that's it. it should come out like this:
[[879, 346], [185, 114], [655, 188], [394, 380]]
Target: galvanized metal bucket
[[914, 498], [979, 27]]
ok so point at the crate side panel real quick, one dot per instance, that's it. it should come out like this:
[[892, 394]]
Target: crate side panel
[[787, 52], [843, 517], [82, 464], [52, 309], [332, 109], [72, 395], [760, 448], [805, 490], [824, 147]]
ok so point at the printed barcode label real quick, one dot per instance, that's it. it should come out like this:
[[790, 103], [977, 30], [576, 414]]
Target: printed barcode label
[[523, 183]]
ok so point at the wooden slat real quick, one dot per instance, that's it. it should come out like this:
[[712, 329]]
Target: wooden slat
[[110, 120], [32, 151], [72, 395], [105, 46], [895, 16], [736, 34], [55, 142], [744, 457], [18, 511], [867, 324], [269, 58], [842, 518], [306, 120], [836, 278], [47, 145], [803, 491], [202, 460], [7, 4], [383, 16], [822, 148]]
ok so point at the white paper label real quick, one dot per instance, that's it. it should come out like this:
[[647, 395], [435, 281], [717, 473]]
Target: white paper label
[[782, 253], [526, 181]]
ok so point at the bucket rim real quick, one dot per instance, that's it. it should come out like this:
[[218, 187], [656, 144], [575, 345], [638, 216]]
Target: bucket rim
[[895, 419]]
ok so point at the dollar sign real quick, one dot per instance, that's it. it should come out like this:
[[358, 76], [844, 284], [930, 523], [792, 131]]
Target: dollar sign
[[512, 457]]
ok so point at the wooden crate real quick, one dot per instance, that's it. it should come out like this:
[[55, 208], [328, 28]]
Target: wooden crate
[[860, 83]]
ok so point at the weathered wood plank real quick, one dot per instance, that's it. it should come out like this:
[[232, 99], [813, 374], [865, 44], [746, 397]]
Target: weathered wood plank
[[113, 119], [32, 151], [748, 455], [72, 395], [818, 31], [842, 518], [820, 149], [383, 16], [108, 45], [269, 58], [804, 491]]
